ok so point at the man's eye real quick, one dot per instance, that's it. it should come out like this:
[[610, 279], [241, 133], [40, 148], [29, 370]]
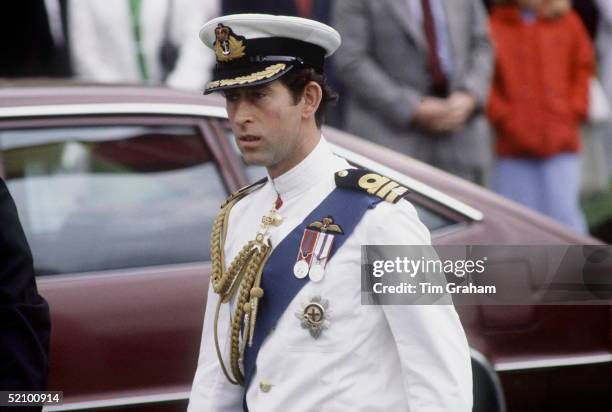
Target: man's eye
[[231, 97]]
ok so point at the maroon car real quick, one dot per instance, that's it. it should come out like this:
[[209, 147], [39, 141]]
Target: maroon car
[[117, 188]]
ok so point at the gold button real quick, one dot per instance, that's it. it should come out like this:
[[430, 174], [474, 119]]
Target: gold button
[[343, 173], [265, 386]]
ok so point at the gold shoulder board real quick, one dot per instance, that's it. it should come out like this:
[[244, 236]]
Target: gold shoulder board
[[372, 183]]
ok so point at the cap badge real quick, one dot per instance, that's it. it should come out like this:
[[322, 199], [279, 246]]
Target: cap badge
[[227, 45]]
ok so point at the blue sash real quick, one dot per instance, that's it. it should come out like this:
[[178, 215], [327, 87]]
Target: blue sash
[[280, 286]]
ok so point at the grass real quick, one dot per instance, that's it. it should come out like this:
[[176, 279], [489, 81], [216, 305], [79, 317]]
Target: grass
[[598, 208]]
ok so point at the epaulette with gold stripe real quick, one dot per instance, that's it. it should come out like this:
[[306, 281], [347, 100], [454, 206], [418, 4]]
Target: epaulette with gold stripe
[[244, 191], [372, 183]]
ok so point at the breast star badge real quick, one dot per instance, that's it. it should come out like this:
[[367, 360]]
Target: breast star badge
[[314, 316]]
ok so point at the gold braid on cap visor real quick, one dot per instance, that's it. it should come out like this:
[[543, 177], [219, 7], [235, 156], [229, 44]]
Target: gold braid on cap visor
[[250, 78], [244, 273]]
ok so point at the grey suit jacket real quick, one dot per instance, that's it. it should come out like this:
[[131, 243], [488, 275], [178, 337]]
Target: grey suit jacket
[[383, 63]]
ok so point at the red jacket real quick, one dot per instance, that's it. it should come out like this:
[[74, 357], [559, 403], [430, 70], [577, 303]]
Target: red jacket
[[541, 83]]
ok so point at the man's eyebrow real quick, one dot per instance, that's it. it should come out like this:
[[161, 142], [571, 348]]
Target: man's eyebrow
[[228, 92], [254, 89], [261, 88]]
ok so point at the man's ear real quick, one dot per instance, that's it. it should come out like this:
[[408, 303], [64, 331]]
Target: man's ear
[[311, 97]]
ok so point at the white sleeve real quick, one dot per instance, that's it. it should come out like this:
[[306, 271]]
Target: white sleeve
[[430, 339], [211, 391], [195, 61]]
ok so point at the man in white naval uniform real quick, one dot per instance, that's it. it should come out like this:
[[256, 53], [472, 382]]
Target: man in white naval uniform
[[364, 358]]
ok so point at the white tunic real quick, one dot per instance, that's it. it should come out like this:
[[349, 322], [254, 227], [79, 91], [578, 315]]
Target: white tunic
[[371, 358]]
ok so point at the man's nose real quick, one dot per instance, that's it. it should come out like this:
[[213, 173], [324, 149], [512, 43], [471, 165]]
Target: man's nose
[[242, 112]]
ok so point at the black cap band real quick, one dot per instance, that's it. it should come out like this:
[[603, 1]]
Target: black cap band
[[277, 50]]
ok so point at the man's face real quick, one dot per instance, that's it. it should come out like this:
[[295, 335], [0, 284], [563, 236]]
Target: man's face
[[267, 123]]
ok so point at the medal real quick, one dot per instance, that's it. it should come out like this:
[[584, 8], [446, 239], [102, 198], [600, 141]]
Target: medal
[[304, 257], [316, 273], [315, 249], [300, 269], [321, 253]]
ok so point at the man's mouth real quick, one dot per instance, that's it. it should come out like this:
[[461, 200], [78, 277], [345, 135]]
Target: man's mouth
[[249, 138]]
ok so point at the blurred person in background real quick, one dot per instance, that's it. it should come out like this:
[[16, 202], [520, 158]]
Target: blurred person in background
[[141, 41], [418, 74], [539, 98], [311, 9], [604, 50], [24, 314], [34, 39]]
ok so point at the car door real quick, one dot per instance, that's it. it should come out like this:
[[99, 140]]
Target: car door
[[118, 213]]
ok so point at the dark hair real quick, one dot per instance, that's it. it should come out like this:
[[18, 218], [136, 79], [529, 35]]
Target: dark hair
[[297, 79]]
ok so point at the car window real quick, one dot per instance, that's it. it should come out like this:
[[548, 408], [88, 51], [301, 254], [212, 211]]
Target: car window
[[433, 220], [112, 197], [430, 218]]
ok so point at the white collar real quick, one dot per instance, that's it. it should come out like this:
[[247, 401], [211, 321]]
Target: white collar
[[307, 173]]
